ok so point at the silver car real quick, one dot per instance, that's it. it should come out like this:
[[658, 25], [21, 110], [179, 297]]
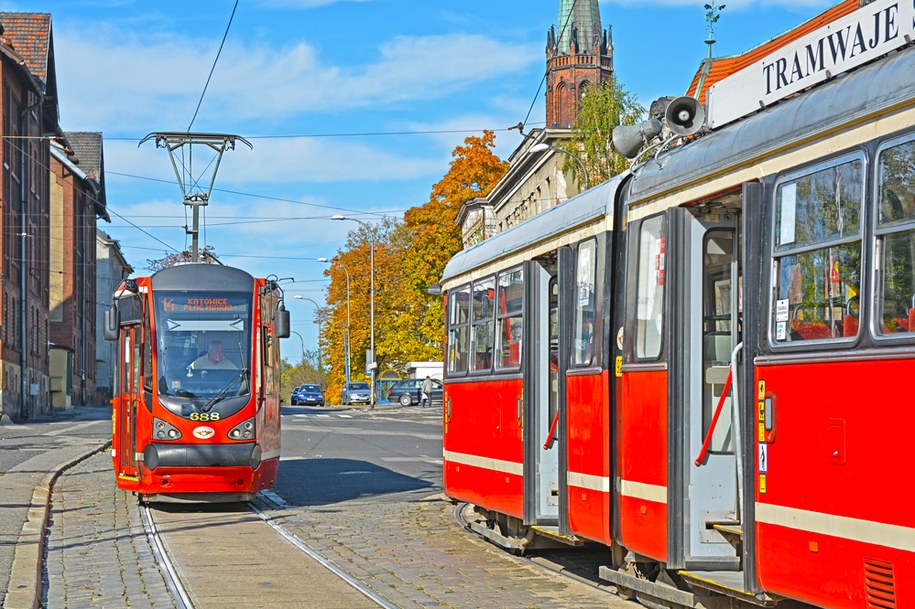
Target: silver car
[[355, 393]]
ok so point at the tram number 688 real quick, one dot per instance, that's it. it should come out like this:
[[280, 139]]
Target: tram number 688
[[204, 416]]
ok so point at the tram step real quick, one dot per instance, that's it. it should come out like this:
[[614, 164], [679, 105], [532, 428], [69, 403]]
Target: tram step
[[729, 529], [729, 583], [553, 533]]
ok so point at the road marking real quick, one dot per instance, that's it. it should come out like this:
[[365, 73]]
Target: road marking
[[71, 428], [353, 431], [345, 416]]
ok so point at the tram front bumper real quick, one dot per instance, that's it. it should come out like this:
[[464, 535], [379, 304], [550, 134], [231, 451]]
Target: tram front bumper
[[202, 455]]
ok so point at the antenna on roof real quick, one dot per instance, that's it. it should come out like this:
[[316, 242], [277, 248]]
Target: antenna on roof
[[194, 196], [712, 14]]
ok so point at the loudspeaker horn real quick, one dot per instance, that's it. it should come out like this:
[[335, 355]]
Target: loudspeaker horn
[[684, 116], [628, 140]]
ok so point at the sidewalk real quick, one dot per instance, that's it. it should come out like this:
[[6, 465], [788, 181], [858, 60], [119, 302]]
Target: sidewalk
[[59, 441]]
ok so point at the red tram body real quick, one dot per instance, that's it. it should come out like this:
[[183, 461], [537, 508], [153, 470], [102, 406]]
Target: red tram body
[[764, 271], [196, 410]]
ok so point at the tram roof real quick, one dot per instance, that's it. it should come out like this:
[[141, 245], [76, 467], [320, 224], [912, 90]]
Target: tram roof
[[869, 89], [204, 277], [586, 207]]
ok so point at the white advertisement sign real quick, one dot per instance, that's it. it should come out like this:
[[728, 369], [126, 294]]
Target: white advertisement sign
[[868, 33]]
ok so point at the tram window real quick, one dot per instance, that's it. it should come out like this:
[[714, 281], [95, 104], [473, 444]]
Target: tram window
[[484, 294], [896, 234], [585, 300], [458, 330], [818, 253], [509, 312], [650, 290]]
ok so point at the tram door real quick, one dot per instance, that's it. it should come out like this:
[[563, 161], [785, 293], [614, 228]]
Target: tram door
[[541, 394], [705, 331], [130, 393]]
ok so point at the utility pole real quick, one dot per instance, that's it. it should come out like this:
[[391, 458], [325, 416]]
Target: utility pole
[[194, 196]]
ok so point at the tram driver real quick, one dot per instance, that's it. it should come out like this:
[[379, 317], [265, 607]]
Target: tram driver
[[213, 359]]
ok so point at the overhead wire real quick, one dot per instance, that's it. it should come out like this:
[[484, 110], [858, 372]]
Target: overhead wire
[[213, 68]]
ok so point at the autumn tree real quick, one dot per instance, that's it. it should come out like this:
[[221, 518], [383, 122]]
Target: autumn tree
[[409, 257], [601, 110]]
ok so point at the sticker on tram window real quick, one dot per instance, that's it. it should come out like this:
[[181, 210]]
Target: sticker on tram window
[[781, 330], [763, 458], [781, 310]]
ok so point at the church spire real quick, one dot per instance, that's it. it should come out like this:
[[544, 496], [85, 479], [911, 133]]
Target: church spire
[[579, 24], [579, 55]]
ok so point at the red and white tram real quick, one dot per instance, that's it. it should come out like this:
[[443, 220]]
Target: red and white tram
[[196, 404], [588, 384]]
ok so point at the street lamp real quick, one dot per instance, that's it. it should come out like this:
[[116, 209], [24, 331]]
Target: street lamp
[[543, 147], [301, 340], [346, 339], [371, 365], [318, 322]]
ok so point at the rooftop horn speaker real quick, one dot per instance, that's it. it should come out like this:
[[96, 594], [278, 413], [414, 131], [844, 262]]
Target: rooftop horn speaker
[[684, 116], [628, 140]]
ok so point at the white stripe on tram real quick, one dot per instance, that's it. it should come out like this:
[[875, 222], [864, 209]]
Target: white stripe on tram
[[496, 465], [590, 482], [852, 529], [640, 490]]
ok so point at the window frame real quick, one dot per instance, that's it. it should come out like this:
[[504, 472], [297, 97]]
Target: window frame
[[593, 303], [877, 252], [775, 255], [450, 325], [474, 324], [637, 251], [499, 317]]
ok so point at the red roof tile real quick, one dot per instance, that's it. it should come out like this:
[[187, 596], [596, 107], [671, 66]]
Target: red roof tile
[[725, 66], [30, 34]]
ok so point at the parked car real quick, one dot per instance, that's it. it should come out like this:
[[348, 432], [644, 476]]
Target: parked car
[[355, 393], [309, 395], [410, 391], [294, 396]]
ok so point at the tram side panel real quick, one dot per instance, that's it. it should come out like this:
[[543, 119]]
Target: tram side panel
[[588, 425], [483, 448], [830, 500]]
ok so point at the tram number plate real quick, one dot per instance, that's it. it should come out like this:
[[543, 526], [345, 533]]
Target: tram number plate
[[204, 416]]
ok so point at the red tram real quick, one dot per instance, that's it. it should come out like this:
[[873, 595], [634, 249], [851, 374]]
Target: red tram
[[196, 405], [710, 377]]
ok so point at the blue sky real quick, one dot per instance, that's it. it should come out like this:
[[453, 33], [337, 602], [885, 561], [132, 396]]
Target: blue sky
[[431, 71]]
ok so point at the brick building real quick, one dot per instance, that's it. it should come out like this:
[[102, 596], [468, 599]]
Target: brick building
[[29, 114], [77, 197], [579, 56]]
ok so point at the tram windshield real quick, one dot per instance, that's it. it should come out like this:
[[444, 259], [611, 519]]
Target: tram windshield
[[204, 344]]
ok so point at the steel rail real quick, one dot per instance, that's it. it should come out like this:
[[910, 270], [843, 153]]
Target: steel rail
[[169, 574], [324, 562]]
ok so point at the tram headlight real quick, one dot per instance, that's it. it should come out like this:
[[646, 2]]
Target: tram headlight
[[243, 431], [166, 431]]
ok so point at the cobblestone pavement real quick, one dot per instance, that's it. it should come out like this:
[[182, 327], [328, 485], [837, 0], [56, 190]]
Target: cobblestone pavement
[[415, 555], [97, 552]]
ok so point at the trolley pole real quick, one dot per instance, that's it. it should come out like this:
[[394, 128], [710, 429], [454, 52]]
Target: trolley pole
[[194, 196]]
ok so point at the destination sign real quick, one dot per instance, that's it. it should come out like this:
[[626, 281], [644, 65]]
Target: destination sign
[[866, 34], [180, 303]]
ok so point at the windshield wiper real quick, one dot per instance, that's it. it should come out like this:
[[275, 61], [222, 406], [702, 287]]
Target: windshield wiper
[[221, 394]]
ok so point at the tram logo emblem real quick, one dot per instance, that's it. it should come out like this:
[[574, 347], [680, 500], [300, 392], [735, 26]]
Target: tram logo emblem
[[203, 432]]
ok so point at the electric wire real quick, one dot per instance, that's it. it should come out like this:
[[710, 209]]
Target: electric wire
[[543, 80], [213, 68]]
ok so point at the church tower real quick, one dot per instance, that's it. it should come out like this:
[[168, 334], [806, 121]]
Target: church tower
[[579, 55]]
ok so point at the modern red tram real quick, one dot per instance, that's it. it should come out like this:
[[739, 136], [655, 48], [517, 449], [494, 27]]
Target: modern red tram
[[196, 405], [701, 363]]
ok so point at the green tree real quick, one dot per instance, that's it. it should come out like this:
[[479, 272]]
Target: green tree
[[601, 110]]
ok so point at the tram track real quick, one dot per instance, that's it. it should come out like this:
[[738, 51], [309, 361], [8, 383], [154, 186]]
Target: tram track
[[581, 566], [178, 541]]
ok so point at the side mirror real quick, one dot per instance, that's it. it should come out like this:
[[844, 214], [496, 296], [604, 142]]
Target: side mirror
[[112, 323], [282, 326]]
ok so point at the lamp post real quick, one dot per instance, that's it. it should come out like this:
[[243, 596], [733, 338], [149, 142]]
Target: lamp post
[[301, 340], [371, 365], [346, 336], [543, 147], [318, 322]]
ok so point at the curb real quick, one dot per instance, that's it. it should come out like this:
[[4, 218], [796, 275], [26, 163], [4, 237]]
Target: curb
[[24, 589]]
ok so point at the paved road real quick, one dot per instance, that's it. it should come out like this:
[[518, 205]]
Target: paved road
[[361, 488]]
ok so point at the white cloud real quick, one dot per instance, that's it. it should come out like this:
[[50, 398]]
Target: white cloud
[[157, 80]]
